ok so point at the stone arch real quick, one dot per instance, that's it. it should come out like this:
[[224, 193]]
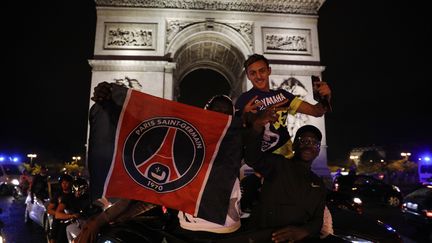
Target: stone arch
[[214, 84], [210, 45]]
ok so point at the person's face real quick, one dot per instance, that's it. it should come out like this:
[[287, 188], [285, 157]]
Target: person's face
[[307, 147], [66, 185], [258, 73]]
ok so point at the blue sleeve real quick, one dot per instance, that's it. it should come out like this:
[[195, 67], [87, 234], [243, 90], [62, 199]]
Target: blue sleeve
[[262, 162], [288, 95]]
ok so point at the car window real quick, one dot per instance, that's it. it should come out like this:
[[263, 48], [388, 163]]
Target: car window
[[426, 169], [422, 192], [363, 181], [375, 182], [344, 179]]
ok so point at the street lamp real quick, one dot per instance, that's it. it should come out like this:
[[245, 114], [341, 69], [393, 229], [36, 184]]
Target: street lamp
[[76, 158], [405, 155], [31, 156]]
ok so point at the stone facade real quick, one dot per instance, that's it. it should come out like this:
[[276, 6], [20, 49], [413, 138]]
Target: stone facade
[[157, 43]]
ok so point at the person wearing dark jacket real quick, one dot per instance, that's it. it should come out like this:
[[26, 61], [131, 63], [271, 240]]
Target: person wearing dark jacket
[[292, 199], [39, 186]]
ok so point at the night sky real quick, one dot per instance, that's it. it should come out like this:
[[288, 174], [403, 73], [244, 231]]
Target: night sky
[[377, 60]]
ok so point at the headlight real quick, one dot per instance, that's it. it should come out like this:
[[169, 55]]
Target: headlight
[[411, 205], [357, 200], [15, 182], [1, 239]]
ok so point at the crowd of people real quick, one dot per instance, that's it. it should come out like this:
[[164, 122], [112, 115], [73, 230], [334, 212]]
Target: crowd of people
[[69, 204], [285, 199]]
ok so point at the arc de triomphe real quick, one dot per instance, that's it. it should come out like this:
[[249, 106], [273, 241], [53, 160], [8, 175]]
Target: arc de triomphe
[[155, 45]]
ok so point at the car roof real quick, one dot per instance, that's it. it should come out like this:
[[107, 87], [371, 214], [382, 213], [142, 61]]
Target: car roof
[[423, 191]]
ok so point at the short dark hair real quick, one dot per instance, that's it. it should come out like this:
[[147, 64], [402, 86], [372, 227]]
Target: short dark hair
[[220, 103], [255, 58], [65, 177], [308, 128]]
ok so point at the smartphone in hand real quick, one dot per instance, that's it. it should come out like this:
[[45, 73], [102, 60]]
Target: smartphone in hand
[[323, 100], [315, 85]]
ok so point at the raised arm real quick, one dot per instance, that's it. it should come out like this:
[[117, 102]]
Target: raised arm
[[120, 211], [253, 154], [61, 214], [318, 109]]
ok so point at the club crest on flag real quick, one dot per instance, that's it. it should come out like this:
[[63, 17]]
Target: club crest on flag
[[163, 153], [159, 151]]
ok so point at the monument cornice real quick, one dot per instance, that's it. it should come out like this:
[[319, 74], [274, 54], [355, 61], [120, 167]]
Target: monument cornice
[[284, 69], [307, 7], [131, 65]]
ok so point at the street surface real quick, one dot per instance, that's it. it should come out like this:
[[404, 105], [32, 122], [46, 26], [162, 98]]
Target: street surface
[[15, 230]]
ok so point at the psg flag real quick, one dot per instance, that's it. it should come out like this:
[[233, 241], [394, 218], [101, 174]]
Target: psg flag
[[147, 148]]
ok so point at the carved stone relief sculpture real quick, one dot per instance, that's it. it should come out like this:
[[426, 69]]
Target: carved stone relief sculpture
[[298, 89], [287, 41], [130, 36], [129, 83], [175, 26]]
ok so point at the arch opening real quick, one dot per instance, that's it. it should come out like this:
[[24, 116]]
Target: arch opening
[[198, 86]]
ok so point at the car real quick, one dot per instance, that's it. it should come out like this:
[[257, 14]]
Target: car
[[369, 189], [344, 201], [9, 177], [349, 224], [37, 212], [417, 206]]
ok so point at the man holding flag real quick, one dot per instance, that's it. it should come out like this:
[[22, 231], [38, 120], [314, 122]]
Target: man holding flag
[[148, 149]]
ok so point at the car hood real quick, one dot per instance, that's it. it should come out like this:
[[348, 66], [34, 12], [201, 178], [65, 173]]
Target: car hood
[[348, 223]]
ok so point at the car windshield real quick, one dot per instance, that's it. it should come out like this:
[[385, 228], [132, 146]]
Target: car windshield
[[11, 169], [367, 181], [422, 192]]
